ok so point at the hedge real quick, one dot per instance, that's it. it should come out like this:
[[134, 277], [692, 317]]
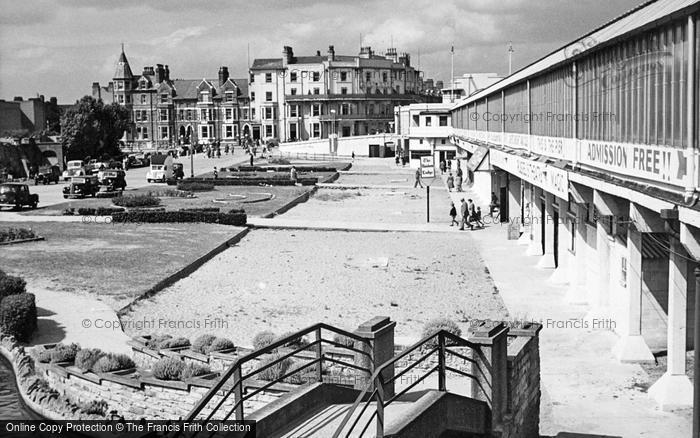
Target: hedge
[[99, 211], [86, 358], [195, 186], [263, 339], [203, 209], [11, 285], [283, 168], [112, 362], [136, 201], [18, 316], [168, 368], [10, 234], [235, 217], [305, 181]]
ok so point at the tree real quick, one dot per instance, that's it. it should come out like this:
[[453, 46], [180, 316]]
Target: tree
[[93, 129]]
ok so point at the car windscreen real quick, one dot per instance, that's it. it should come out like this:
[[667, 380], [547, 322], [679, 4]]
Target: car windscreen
[[8, 189]]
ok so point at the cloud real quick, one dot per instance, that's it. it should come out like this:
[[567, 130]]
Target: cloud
[[177, 37]]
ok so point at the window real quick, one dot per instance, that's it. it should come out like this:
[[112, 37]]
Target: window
[[120, 85], [163, 115], [164, 98], [269, 113], [315, 129], [228, 114], [137, 115], [293, 110], [128, 98], [228, 131], [442, 141], [229, 96], [428, 121], [203, 115], [268, 77], [316, 109], [623, 271], [384, 77], [316, 76], [443, 120], [189, 114], [268, 96], [164, 133], [293, 76], [252, 113], [368, 76], [343, 90], [420, 141], [317, 91], [121, 98], [416, 120], [269, 131], [293, 91], [343, 76], [143, 98], [144, 133], [252, 95], [205, 96], [345, 109], [204, 131]]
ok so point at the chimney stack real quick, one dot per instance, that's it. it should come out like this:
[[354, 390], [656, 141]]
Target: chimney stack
[[331, 53], [167, 73], [223, 75], [160, 73], [287, 55], [366, 52], [391, 54]]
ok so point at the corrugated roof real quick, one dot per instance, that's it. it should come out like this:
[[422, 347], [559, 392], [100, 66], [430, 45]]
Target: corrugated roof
[[639, 17]]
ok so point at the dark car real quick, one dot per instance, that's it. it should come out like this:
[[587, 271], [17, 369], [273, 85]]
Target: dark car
[[81, 186], [48, 175], [111, 181], [16, 195], [178, 171]]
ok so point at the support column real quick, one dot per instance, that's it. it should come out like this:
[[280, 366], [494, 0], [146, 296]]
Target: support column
[[631, 347], [380, 332], [576, 293], [547, 260], [527, 190], [673, 389], [514, 199], [535, 247], [564, 224]]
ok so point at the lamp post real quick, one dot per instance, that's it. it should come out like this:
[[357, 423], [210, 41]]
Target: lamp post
[[332, 134]]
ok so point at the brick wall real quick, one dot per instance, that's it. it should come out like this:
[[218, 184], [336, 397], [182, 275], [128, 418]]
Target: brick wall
[[523, 414]]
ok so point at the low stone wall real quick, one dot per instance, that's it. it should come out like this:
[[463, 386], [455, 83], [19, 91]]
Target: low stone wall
[[346, 145], [523, 415]]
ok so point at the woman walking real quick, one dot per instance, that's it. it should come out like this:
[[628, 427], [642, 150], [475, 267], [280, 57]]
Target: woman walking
[[453, 214], [458, 182], [450, 182]]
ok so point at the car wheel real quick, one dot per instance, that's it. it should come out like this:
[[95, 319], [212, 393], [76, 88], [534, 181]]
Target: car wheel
[[65, 196], [35, 205]]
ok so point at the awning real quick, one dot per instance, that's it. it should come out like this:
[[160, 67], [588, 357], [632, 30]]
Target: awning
[[477, 158]]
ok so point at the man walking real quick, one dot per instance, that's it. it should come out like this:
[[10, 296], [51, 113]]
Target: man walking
[[418, 180], [463, 211], [471, 213]]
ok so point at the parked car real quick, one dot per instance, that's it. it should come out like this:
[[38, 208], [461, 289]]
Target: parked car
[[161, 168], [81, 186], [178, 171], [110, 181], [16, 195], [74, 168], [137, 161], [47, 175]]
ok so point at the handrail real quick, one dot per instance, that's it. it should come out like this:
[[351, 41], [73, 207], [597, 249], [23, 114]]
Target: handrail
[[235, 370], [377, 381]]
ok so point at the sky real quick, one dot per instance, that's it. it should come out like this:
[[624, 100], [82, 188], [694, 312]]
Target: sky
[[60, 47]]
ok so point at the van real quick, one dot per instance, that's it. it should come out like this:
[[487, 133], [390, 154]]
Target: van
[[161, 169]]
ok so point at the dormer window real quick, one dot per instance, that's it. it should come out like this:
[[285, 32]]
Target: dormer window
[[206, 98], [164, 98], [229, 96]]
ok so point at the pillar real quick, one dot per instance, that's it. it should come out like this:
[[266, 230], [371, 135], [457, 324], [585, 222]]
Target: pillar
[[674, 390], [535, 247], [380, 332], [547, 260], [526, 201], [576, 293], [564, 225], [631, 347], [514, 212]]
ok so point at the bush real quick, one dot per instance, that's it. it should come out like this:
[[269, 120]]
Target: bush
[[433, 326], [203, 209], [86, 358], [136, 201], [193, 370], [202, 343], [18, 316], [11, 285], [64, 353], [236, 219], [296, 342], [263, 339], [95, 407], [220, 344], [154, 342], [112, 362], [168, 368], [344, 340], [174, 343], [195, 186], [99, 211], [10, 234], [170, 193], [275, 371]]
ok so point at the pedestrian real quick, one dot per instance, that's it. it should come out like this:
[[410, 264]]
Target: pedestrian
[[353, 156], [471, 213], [418, 180], [458, 183], [398, 157], [494, 203], [216, 173], [443, 167], [293, 174], [453, 214], [463, 211], [477, 218], [459, 170], [450, 182], [449, 165], [251, 159]]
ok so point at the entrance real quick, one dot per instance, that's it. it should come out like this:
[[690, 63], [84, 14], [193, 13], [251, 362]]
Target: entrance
[[543, 225], [555, 219], [503, 198], [256, 133]]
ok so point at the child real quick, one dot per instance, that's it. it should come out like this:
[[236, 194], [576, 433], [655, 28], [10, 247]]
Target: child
[[453, 214], [477, 218]]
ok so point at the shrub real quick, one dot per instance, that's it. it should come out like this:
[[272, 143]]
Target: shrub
[[99, 211], [220, 344], [263, 339], [278, 160], [136, 201], [174, 343], [86, 358], [18, 316], [10, 234], [236, 219], [64, 353], [202, 343], [195, 186], [192, 369], [11, 285], [44, 356], [155, 341], [95, 407], [112, 362], [168, 368], [433, 326], [170, 193], [344, 340], [202, 209], [296, 342], [275, 371]]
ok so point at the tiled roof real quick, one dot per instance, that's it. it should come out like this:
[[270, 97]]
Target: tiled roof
[[187, 88], [123, 70], [265, 63]]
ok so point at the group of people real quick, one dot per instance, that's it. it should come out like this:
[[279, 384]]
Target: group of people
[[455, 182], [470, 215]]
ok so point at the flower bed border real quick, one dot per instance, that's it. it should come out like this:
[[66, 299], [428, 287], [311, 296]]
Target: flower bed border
[[18, 241]]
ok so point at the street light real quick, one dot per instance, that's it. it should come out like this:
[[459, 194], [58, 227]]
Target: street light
[[331, 137]]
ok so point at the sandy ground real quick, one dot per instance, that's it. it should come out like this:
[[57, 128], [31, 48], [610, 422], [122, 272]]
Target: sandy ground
[[281, 280]]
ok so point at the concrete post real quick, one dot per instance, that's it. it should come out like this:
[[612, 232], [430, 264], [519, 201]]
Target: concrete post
[[535, 247], [673, 389], [491, 368], [576, 293], [514, 199], [564, 225], [547, 260], [526, 237], [380, 332], [631, 347]]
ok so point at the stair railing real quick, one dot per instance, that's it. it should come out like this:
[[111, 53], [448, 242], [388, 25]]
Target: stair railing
[[375, 390], [233, 381]]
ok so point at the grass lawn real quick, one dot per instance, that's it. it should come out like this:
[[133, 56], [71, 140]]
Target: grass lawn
[[224, 197], [115, 261]]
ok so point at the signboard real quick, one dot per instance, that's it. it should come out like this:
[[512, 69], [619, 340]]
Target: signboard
[[662, 164], [427, 172], [427, 161], [477, 157], [549, 178]]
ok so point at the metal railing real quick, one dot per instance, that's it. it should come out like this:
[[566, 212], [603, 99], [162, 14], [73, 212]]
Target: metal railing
[[378, 383], [310, 156], [233, 382]]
